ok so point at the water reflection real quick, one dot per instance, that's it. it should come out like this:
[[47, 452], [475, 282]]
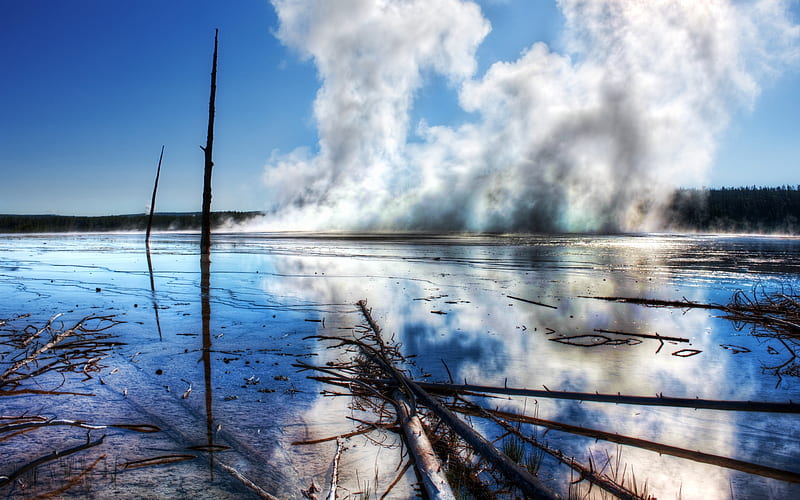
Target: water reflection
[[153, 291], [205, 300], [491, 340], [444, 299], [791, 366]]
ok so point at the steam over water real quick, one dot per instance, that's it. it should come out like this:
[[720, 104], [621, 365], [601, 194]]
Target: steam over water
[[588, 138]]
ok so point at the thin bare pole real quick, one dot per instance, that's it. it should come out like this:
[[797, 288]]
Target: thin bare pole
[[153, 201], [205, 237]]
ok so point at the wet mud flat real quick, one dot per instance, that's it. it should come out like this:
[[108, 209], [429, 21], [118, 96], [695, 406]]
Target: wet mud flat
[[214, 372]]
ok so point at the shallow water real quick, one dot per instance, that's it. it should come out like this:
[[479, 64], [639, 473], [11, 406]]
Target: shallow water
[[448, 301]]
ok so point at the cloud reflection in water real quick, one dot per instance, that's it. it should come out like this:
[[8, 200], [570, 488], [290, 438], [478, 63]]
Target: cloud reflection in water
[[487, 338]]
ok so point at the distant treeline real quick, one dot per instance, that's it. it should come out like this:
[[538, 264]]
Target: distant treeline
[[135, 222], [752, 209], [742, 210]]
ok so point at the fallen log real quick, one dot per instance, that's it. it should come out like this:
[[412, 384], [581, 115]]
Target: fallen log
[[738, 310], [520, 477], [48, 423], [335, 470], [696, 456], [431, 472], [258, 490], [658, 303]]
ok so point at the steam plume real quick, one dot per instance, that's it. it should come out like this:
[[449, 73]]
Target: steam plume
[[592, 139]]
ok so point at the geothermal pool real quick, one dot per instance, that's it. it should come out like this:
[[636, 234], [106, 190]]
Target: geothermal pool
[[451, 301]]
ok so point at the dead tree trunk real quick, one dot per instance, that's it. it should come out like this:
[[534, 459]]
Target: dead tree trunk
[[205, 236], [153, 204]]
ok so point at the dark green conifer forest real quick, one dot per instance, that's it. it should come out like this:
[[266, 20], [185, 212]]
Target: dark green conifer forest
[[769, 210], [135, 222]]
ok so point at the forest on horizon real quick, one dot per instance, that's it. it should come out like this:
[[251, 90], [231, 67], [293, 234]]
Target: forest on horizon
[[764, 210], [761, 210]]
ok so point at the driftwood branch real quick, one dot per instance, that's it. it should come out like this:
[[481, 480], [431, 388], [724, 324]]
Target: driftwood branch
[[41, 350], [707, 404], [643, 335], [531, 302], [42, 422], [38, 332], [78, 350]]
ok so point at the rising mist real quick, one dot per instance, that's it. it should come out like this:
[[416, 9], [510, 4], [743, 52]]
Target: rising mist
[[592, 138]]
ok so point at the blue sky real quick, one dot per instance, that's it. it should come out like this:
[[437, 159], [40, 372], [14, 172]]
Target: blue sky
[[93, 88]]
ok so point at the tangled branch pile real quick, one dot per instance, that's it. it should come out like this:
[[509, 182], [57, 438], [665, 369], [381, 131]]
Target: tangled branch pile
[[777, 313], [767, 314], [41, 361], [473, 466], [35, 353]]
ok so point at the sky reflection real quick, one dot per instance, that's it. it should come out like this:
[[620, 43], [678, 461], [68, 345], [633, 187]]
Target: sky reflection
[[446, 300]]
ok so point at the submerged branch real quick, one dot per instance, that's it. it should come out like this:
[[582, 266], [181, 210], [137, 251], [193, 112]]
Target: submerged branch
[[4, 480], [72, 482], [696, 456], [643, 335]]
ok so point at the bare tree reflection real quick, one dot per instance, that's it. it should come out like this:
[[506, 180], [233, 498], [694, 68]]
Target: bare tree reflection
[[153, 291], [205, 300]]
